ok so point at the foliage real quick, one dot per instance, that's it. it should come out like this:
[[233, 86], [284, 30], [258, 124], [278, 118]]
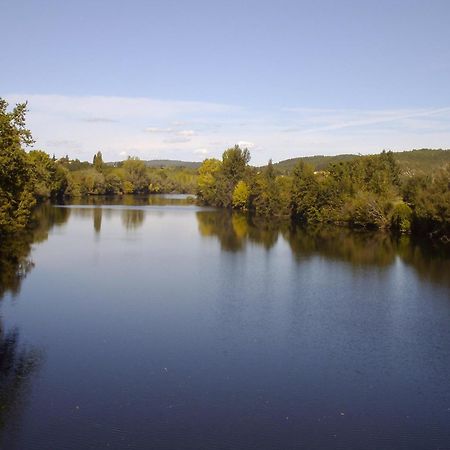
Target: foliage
[[414, 162], [373, 191], [241, 195], [16, 189], [218, 179], [367, 191], [98, 162]]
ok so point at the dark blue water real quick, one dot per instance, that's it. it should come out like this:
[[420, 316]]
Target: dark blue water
[[152, 324]]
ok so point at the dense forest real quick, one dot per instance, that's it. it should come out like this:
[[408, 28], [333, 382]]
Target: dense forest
[[366, 191], [414, 162], [408, 192]]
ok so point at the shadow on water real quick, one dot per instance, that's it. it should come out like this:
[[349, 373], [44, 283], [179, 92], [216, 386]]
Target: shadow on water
[[15, 262], [96, 207], [235, 230], [359, 248], [133, 200], [132, 219], [18, 362], [17, 366]]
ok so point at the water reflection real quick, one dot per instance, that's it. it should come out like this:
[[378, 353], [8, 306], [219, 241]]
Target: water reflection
[[19, 363], [132, 218], [134, 200], [342, 244], [15, 262], [235, 231], [251, 329], [98, 212]]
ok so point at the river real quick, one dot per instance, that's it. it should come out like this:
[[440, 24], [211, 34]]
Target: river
[[152, 323]]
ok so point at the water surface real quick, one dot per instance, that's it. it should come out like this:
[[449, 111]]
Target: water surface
[[153, 323]]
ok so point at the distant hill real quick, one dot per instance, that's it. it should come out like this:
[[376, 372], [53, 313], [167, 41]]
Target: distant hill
[[172, 163], [413, 161], [319, 162], [165, 163]]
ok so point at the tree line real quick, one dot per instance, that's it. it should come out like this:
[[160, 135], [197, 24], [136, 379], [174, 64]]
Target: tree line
[[30, 177], [365, 191]]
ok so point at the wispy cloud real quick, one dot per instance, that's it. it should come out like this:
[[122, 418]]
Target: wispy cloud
[[201, 151], [246, 144], [151, 128], [99, 120], [185, 133]]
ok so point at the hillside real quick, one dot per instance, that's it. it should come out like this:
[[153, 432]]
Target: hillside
[[172, 163], [413, 161]]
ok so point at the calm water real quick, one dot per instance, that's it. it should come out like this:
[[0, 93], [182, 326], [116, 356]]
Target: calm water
[[153, 324]]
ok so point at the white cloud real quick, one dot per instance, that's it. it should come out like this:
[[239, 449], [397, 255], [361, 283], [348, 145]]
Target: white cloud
[[201, 151], [149, 128], [185, 133], [246, 144], [158, 130]]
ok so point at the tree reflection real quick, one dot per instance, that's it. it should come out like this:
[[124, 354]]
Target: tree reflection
[[15, 262], [358, 248], [17, 364], [98, 213], [430, 261], [132, 218], [234, 230], [16, 368], [342, 244]]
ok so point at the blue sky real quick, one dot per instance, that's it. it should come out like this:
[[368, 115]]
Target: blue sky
[[186, 79]]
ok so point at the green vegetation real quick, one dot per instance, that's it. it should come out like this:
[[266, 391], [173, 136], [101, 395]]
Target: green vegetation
[[365, 191], [24, 177], [131, 176], [29, 177], [414, 162], [403, 192]]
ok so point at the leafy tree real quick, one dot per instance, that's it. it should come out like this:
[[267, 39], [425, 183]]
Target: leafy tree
[[266, 198], [234, 164], [113, 184], [16, 190], [207, 181], [234, 168], [241, 195], [136, 174], [98, 162], [305, 190], [49, 177]]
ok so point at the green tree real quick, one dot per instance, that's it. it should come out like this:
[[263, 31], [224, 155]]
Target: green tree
[[136, 174], [98, 162], [207, 181], [267, 200], [16, 190], [241, 195], [305, 193], [233, 169], [234, 164]]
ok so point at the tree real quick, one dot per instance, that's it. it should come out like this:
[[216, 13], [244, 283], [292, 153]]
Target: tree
[[304, 193], [234, 164], [241, 195], [98, 162], [266, 193], [234, 168], [49, 177], [16, 190], [207, 181], [136, 174]]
